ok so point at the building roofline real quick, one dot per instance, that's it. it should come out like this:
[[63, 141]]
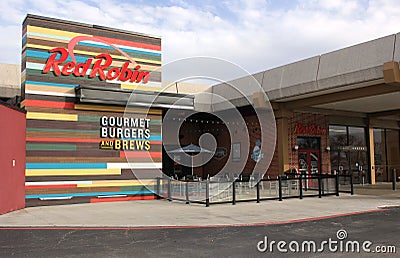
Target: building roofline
[[34, 16]]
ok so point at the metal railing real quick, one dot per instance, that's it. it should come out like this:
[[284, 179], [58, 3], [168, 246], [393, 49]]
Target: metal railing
[[217, 192]]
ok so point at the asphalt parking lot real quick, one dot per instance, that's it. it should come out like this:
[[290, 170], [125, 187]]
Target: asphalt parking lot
[[381, 227]]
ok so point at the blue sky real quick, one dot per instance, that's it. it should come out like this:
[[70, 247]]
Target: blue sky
[[255, 34]]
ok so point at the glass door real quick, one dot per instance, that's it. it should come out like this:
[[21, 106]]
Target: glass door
[[309, 155], [314, 162], [303, 162], [309, 162]]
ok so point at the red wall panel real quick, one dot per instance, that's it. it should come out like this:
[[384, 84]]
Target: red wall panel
[[12, 159]]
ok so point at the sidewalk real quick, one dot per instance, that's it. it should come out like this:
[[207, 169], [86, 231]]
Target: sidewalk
[[161, 213], [379, 189]]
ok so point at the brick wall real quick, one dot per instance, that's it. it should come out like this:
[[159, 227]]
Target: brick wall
[[317, 124]]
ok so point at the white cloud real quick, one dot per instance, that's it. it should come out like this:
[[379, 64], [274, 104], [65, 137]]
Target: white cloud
[[254, 34]]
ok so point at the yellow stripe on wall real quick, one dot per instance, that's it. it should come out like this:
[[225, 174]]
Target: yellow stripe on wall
[[72, 172], [49, 88], [138, 87], [146, 67], [117, 109], [48, 39], [51, 116], [54, 32]]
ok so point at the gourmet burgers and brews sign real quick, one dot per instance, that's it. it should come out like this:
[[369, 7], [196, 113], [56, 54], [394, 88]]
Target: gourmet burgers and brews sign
[[122, 133], [125, 133]]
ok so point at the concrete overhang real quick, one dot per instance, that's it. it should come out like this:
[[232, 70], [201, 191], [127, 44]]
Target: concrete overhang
[[357, 80]]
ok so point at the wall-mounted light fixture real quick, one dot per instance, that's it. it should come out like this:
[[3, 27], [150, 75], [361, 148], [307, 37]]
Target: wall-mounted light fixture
[[296, 147], [328, 149]]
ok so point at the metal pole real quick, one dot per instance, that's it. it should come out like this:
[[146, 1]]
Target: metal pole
[[187, 192], [301, 186], [351, 185], [319, 186], [337, 184], [234, 192], [169, 189], [394, 179], [258, 191], [280, 187], [158, 191], [306, 177], [208, 193]]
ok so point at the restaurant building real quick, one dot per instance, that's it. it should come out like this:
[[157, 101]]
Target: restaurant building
[[95, 107], [76, 81]]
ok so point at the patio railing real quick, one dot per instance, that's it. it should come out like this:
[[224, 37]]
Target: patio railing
[[217, 192]]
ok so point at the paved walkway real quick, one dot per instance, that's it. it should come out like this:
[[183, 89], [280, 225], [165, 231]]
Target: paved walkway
[[171, 214], [379, 189]]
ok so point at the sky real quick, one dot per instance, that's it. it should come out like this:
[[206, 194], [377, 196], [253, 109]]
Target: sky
[[255, 34]]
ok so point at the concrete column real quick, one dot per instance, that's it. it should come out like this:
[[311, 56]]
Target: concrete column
[[282, 123], [371, 154]]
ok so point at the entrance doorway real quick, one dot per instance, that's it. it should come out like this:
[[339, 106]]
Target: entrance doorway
[[309, 155], [309, 162]]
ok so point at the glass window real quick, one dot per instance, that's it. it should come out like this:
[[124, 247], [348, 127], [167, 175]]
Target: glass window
[[380, 155], [349, 152], [386, 153], [357, 136], [337, 135], [358, 159], [338, 139], [393, 153]]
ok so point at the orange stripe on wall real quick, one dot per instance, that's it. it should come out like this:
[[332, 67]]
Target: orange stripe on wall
[[130, 43], [50, 186], [30, 139], [140, 154], [50, 104]]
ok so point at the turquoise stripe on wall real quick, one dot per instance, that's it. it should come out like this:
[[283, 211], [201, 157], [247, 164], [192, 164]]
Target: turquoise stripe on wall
[[121, 48], [46, 55], [52, 84]]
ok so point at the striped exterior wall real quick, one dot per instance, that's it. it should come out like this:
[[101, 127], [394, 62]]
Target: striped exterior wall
[[63, 157]]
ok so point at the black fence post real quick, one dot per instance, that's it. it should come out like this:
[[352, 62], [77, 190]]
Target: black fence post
[[301, 186], [187, 192], [351, 185], [394, 179], [158, 189], [337, 184], [208, 193], [280, 187], [319, 186], [169, 190], [306, 177], [258, 191], [234, 192]]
